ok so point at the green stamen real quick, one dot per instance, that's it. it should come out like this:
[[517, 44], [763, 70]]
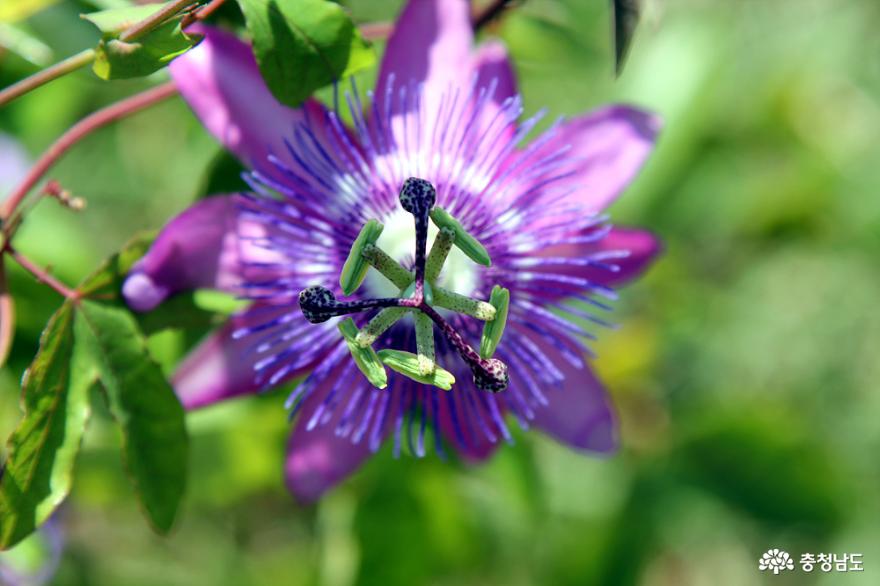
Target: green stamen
[[407, 364], [425, 344], [354, 271], [379, 325], [366, 358], [439, 251], [492, 331], [463, 241], [465, 305], [390, 268]]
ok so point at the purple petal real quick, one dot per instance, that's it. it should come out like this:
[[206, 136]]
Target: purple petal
[[204, 247], [225, 366], [578, 413], [460, 428], [431, 44], [621, 256], [643, 248], [610, 144], [318, 459], [493, 67], [220, 81]]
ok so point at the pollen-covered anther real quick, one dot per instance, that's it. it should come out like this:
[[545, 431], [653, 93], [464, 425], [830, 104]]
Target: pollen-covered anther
[[491, 376], [417, 196], [317, 304]]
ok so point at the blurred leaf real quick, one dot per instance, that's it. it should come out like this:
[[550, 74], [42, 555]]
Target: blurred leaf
[[302, 45], [116, 59], [25, 45], [764, 464], [626, 17], [13, 10], [144, 405], [37, 474]]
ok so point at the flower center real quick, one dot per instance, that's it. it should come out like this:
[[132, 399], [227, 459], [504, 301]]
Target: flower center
[[418, 292], [459, 274]]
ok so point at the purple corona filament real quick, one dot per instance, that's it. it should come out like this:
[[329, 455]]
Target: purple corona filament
[[318, 304]]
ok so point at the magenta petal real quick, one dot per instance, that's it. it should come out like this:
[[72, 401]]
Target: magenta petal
[[222, 367], [611, 145], [206, 246], [431, 44], [630, 252], [643, 248], [196, 249], [318, 459], [493, 67], [220, 81], [579, 413]]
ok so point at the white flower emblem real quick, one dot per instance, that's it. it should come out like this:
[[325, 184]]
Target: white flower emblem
[[776, 560]]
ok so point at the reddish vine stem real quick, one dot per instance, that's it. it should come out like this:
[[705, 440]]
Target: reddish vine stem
[[7, 315], [41, 274], [77, 132], [202, 13], [168, 11], [43, 77]]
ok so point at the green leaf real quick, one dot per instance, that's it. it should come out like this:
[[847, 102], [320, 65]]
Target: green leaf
[[37, 475], [303, 45], [116, 59], [144, 405], [626, 17]]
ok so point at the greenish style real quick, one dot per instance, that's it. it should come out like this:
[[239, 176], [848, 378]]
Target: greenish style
[[304, 45], [354, 271], [116, 59], [407, 364], [463, 241], [364, 356], [494, 329]]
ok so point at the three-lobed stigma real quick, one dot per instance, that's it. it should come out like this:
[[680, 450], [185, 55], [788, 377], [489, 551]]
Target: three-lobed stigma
[[419, 294]]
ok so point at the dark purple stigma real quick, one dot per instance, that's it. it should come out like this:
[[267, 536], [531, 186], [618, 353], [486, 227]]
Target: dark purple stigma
[[417, 196], [318, 304]]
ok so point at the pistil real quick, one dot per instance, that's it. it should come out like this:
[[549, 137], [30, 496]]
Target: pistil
[[418, 293]]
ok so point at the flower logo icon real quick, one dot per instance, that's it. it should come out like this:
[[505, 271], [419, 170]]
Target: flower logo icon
[[775, 560]]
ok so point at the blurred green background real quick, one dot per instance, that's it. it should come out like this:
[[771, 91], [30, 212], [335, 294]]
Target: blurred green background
[[745, 369]]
